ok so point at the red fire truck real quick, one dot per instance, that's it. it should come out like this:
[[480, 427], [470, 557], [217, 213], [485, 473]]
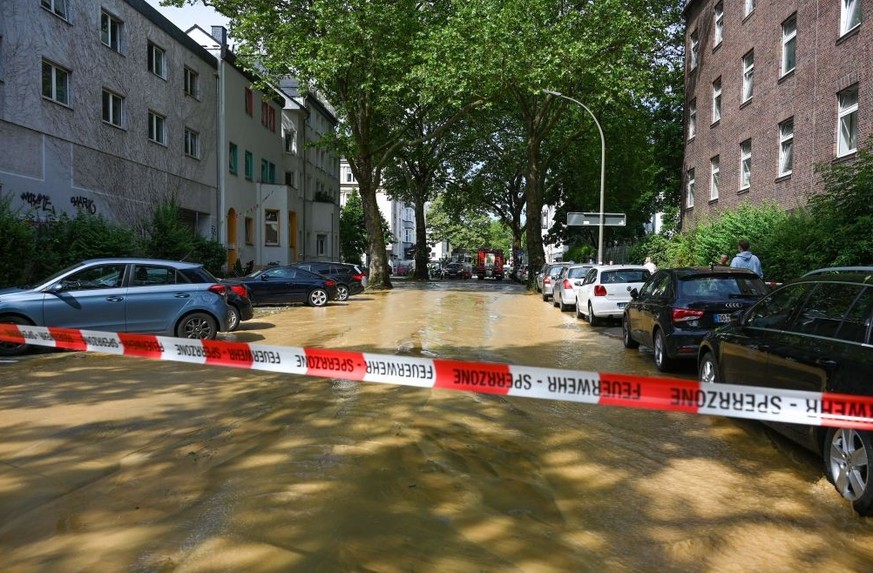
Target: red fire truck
[[489, 264]]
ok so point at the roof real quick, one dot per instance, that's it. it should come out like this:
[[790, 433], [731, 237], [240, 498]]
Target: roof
[[173, 31]]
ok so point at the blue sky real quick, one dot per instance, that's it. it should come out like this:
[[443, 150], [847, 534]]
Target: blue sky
[[190, 15]]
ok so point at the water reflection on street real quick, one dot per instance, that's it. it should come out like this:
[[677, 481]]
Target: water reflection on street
[[114, 464]]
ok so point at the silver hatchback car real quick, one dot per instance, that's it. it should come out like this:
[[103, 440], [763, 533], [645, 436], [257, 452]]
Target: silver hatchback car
[[121, 295]]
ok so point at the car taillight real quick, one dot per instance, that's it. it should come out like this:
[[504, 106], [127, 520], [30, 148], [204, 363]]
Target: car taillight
[[220, 290], [330, 283], [686, 314], [240, 290], [599, 290], [547, 280], [359, 278], [567, 284]]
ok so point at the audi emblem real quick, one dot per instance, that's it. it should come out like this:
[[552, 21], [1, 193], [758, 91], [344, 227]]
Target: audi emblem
[[734, 305]]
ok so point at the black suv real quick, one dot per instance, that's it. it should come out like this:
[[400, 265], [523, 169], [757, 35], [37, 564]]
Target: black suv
[[675, 308], [349, 278], [812, 334]]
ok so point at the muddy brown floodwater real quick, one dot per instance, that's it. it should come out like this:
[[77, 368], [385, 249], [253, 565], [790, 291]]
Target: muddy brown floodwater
[[112, 464]]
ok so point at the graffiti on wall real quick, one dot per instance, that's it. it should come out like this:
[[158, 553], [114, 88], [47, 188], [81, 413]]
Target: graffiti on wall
[[38, 201], [83, 203]]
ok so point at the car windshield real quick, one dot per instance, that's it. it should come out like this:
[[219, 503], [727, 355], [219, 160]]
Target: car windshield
[[721, 287]]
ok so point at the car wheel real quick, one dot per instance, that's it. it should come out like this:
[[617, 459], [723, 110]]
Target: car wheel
[[663, 362], [14, 348], [555, 301], [592, 320], [317, 297], [545, 296], [197, 325], [342, 292], [578, 312], [708, 371], [626, 338], [847, 456], [233, 318]]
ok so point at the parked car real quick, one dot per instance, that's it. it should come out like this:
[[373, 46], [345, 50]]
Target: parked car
[[349, 278], [812, 334], [675, 308], [567, 284], [605, 291], [547, 276], [457, 271], [152, 296], [286, 284], [239, 305]]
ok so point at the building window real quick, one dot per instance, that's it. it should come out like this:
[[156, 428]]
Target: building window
[[268, 116], [748, 75], [271, 173], [271, 227], [689, 189], [110, 31], [695, 48], [250, 165], [789, 45], [748, 7], [692, 119], [321, 244], [192, 83], [113, 108], [746, 164], [291, 141], [192, 143], [718, 25], [157, 128], [850, 15], [847, 138], [58, 7], [716, 100], [786, 147], [233, 158], [250, 230], [156, 62], [350, 178], [55, 83], [264, 171], [249, 102], [714, 175]]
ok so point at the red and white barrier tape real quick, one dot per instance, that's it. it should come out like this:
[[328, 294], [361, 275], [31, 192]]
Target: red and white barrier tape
[[602, 388]]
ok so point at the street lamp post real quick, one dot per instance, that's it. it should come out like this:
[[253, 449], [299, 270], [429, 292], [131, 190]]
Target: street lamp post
[[602, 167]]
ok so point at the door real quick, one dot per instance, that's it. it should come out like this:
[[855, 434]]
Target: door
[[92, 298], [156, 297]]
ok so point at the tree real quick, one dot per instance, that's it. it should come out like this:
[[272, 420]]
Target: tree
[[594, 52], [353, 235], [364, 57]]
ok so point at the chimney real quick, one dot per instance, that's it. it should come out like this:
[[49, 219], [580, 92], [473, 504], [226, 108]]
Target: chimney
[[220, 35]]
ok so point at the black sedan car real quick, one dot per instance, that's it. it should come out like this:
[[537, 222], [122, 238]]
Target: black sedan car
[[285, 284], [675, 308], [813, 334], [349, 278]]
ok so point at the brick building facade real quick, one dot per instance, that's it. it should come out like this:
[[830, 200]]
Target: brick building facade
[[772, 90]]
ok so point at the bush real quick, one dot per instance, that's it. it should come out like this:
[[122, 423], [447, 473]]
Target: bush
[[18, 243]]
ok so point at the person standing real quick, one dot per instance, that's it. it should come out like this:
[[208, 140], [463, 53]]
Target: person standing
[[650, 265], [746, 260]]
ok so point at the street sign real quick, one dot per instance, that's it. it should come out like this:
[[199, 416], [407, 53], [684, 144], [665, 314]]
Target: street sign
[[578, 219]]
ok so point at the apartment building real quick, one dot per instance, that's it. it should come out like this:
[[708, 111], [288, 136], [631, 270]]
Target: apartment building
[[107, 107], [399, 215], [772, 90]]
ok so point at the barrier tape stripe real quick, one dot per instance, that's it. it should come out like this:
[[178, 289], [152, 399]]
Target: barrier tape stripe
[[600, 388]]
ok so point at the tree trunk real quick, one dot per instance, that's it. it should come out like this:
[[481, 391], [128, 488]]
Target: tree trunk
[[380, 272]]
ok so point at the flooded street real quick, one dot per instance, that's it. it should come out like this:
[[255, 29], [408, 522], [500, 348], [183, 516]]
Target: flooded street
[[111, 464]]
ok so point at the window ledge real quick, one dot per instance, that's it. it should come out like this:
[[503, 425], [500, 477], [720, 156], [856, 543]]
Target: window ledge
[[744, 190], [783, 178], [746, 103], [851, 33], [715, 123], [786, 75], [713, 201], [845, 158]]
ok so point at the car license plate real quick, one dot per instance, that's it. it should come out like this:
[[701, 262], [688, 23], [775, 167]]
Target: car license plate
[[722, 318]]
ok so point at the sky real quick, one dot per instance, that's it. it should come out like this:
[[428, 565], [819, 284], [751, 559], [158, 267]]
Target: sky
[[190, 15]]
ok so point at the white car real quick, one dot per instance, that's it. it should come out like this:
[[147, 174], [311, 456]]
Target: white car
[[567, 284], [605, 291]]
